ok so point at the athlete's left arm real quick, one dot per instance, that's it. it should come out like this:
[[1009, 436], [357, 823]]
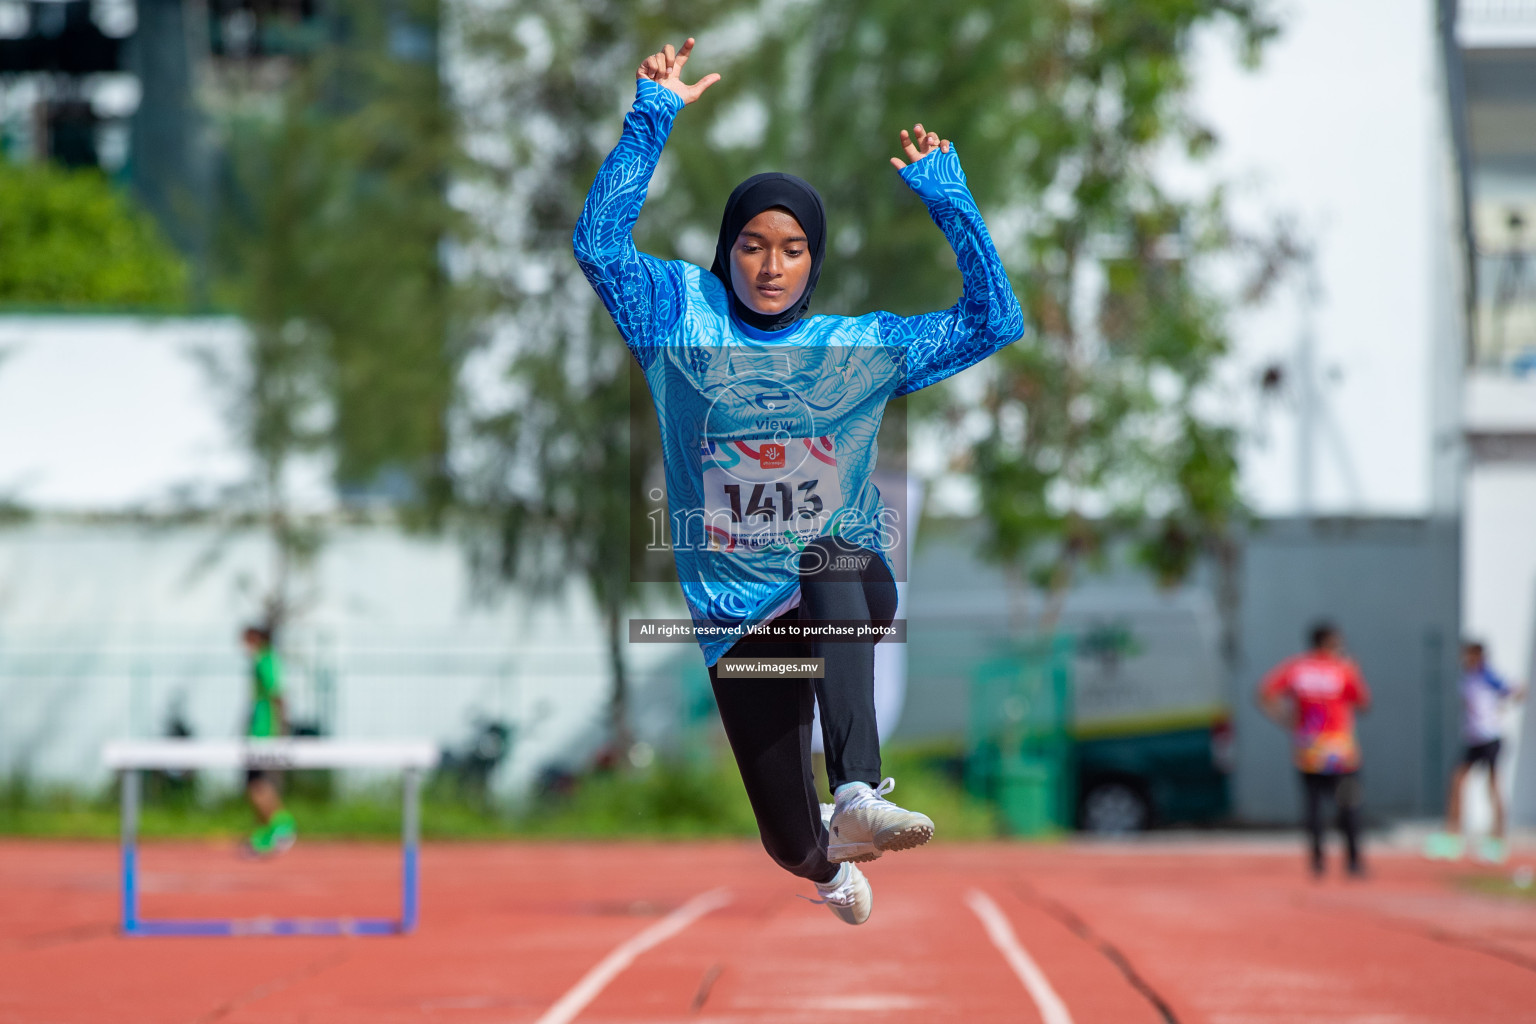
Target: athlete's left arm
[[988, 316]]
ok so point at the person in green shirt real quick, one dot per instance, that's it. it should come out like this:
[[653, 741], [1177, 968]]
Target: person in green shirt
[[275, 831]]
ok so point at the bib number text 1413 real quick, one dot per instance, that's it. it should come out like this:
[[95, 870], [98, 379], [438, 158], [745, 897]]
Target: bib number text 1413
[[757, 491]]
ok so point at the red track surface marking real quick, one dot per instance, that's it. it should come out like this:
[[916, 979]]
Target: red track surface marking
[[1052, 1009], [1202, 932], [612, 965]]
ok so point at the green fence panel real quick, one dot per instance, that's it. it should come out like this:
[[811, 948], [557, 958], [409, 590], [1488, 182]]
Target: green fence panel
[[1019, 744]]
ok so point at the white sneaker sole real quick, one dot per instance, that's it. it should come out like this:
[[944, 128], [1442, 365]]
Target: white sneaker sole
[[859, 853], [908, 838]]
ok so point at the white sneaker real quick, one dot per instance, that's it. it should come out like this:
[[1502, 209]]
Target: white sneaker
[[826, 815], [864, 824], [848, 895]]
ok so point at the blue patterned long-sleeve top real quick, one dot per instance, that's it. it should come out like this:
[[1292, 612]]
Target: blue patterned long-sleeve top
[[768, 439]]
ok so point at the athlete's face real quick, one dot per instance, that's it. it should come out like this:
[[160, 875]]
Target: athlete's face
[[770, 262]]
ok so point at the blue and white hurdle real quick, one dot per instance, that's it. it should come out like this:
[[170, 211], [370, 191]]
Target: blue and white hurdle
[[132, 757]]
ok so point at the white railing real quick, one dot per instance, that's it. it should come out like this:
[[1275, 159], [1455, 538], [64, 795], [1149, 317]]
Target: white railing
[[1498, 10], [1496, 23], [60, 703]]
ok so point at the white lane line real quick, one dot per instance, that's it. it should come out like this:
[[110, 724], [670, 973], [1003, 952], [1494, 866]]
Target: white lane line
[[1000, 931], [612, 965]]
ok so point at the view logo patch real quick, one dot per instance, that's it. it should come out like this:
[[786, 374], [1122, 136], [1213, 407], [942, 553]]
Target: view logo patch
[[771, 456]]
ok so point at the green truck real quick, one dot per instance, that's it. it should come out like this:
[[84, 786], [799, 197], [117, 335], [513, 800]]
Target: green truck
[[1151, 728]]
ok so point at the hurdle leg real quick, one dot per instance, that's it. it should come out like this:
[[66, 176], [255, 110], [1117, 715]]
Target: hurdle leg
[[410, 828], [128, 842]]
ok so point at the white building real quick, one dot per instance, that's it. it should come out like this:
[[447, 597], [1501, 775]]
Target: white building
[[1401, 140], [1490, 48]]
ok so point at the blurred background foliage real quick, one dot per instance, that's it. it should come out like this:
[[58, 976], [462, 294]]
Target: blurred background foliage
[[1101, 426], [332, 219], [1064, 113], [677, 797], [70, 240]]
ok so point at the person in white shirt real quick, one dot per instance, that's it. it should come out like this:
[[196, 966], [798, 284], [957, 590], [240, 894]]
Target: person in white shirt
[[1483, 696]]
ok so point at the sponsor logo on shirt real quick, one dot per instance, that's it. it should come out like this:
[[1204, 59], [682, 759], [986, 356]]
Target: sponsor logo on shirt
[[1317, 682]]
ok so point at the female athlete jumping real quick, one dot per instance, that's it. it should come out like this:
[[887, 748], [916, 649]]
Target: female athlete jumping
[[768, 424]]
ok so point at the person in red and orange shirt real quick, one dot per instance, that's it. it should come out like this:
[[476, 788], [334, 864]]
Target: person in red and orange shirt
[[1315, 696]]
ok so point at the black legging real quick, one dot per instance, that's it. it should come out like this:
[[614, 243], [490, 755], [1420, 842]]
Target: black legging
[[768, 721], [1344, 790]]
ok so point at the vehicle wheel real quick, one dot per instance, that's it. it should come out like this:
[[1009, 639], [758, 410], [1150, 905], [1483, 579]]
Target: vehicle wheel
[[1115, 808]]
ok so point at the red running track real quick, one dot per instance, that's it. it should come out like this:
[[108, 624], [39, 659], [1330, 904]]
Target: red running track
[[1220, 932]]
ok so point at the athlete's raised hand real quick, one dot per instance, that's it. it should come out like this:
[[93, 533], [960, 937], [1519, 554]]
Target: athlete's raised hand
[[918, 143], [665, 68]]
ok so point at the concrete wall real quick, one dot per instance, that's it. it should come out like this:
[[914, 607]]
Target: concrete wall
[[104, 629], [1499, 558], [1338, 132], [106, 413], [1392, 586]]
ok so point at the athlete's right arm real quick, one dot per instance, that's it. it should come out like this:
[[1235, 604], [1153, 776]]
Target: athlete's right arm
[[935, 346], [644, 295]]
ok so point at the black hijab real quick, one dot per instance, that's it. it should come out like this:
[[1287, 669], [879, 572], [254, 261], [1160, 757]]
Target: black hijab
[[763, 192]]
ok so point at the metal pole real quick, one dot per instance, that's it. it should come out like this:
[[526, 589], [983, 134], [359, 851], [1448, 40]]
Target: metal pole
[[1454, 69], [1066, 742], [1306, 396], [410, 837], [128, 843]]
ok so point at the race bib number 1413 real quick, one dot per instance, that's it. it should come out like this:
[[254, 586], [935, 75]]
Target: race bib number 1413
[[756, 492]]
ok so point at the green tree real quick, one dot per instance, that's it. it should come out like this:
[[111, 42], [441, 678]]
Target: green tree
[[553, 493], [69, 239], [1091, 429], [1099, 425], [335, 217]]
